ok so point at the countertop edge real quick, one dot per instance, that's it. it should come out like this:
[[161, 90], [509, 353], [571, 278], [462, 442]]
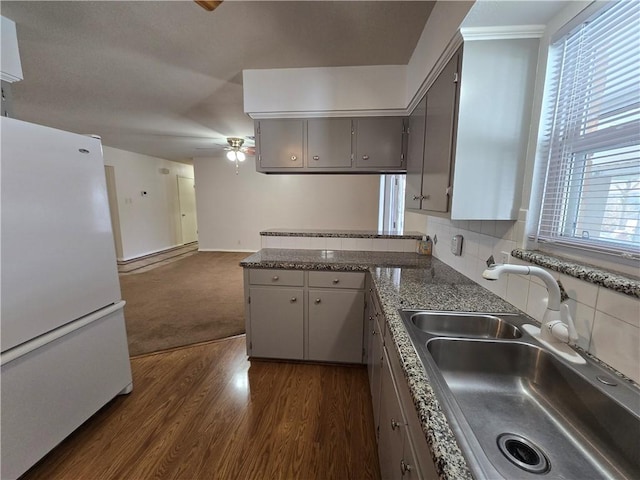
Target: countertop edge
[[588, 273], [353, 234]]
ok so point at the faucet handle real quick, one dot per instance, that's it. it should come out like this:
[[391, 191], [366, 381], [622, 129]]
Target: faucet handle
[[490, 261], [565, 316]]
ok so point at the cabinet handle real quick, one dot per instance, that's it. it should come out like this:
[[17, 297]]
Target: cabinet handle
[[275, 278], [426, 197], [394, 424], [404, 467], [365, 157], [417, 197], [373, 332], [293, 158], [317, 300], [335, 280], [294, 299], [316, 157]]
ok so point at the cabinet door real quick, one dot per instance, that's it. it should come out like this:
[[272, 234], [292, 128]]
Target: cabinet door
[[329, 143], [379, 142], [279, 143], [336, 320], [376, 347], [277, 319], [415, 155], [392, 427], [408, 465], [439, 134]]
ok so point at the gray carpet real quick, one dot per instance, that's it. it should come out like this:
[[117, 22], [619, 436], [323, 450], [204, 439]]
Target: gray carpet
[[191, 300]]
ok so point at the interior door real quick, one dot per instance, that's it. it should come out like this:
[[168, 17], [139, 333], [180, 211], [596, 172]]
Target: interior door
[[110, 176], [188, 219]]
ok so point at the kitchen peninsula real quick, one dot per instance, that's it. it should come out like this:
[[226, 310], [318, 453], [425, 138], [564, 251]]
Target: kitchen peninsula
[[394, 280]]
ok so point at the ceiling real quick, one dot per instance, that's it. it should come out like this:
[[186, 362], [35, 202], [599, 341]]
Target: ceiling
[[165, 78]]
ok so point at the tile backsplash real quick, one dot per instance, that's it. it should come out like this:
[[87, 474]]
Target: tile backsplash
[[608, 322]]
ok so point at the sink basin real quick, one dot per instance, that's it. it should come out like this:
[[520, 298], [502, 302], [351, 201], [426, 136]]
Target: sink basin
[[471, 325], [523, 413]]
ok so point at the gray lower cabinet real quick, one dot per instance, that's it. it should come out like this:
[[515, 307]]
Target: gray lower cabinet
[[277, 328], [392, 429], [379, 142], [335, 325], [402, 447], [280, 144], [299, 315], [375, 346]]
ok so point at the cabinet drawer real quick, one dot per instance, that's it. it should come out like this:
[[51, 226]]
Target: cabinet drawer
[[290, 278], [337, 279]]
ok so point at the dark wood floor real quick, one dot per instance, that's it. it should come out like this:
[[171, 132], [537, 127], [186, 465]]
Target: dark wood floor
[[206, 412]]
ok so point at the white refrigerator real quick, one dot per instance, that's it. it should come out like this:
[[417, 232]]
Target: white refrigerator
[[64, 345]]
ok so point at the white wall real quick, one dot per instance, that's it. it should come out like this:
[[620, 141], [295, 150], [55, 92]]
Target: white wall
[[232, 209], [150, 223], [325, 91]]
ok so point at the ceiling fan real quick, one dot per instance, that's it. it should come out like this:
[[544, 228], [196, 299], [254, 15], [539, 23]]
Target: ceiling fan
[[209, 6], [236, 147], [236, 152]]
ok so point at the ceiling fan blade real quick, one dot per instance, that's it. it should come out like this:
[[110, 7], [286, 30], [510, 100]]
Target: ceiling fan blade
[[209, 6]]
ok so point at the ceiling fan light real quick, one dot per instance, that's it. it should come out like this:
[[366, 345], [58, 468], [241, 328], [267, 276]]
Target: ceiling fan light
[[241, 156], [231, 156]]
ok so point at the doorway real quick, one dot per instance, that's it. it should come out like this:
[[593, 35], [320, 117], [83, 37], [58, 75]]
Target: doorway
[[187, 200], [391, 206], [110, 176]]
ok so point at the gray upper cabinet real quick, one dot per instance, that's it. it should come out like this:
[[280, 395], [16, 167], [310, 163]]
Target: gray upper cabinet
[[415, 154], [279, 144], [429, 152], [440, 114], [379, 142], [329, 143], [478, 112]]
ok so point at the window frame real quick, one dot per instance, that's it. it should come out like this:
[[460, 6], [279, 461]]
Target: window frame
[[598, 248]]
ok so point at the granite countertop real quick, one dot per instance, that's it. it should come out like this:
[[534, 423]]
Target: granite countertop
[[625, 284], [405, 280], [283, 232]]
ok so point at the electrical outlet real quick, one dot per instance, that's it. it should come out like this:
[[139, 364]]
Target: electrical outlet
[[504, 257], [456, 245]]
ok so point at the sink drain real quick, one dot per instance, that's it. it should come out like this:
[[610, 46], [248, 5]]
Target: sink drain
[[522, 453]]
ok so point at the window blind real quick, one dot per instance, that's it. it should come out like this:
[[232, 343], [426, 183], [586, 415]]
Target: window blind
[[591, 135]]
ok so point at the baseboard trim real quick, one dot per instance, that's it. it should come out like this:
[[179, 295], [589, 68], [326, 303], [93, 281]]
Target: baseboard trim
[[125, 260], [240, 250]]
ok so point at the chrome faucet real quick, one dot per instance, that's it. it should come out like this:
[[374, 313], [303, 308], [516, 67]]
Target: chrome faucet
[[557, 324]]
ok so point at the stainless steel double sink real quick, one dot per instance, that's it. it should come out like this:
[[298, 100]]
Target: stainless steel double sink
[[518, 410]]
